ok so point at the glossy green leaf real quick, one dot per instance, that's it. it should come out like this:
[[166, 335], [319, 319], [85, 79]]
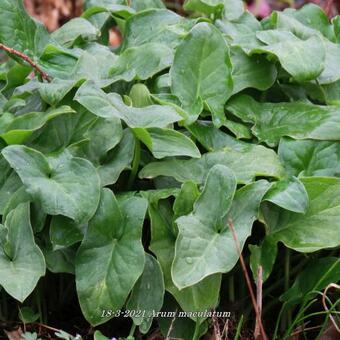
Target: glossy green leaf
[[141, 62], [52, 93], [289, 194], [318, 227], [109, 7], [21, 261], [201, 296], [146, 4], [112, 106], [112, 242], [204, 6], [251, 71], [64, 232], [241, 32], [263, 255], [303, 59], [310, 158], [30, 36], [74, 30], [298, 120], [206, 245], [22, 127], [147, 294], [155, 25], [70, 188], [196, 253], [9, 183], [244, 164], [118, 160], [166, 142], [61, 260], [201, 73]]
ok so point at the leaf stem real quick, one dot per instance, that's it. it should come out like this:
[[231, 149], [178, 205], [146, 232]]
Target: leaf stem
[[135, 164], [287, 318], [231, 289], [28, 60], [133, 329], [197, 331], [239, 328]]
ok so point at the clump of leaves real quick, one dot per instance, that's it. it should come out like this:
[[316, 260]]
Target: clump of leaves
[[124, 167]]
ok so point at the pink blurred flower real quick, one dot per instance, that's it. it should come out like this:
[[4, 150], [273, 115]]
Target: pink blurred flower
[[260, 8]]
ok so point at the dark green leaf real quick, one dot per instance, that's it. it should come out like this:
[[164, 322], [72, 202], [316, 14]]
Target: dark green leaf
[[21, 261], [201, 73], [112, 242]]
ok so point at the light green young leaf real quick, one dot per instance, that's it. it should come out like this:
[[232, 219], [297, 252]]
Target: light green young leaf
[[112, 106], [317, 276], [318, 228], [70, 187], [232, 9], [147, 295], [21, 261], [167, 142], [112, 242], [121, 11], [77, 29], [303, 59], [264, 256], [201, 73], [310, 158], [141, 62], [205, 6], [298, 120], [289, 194]]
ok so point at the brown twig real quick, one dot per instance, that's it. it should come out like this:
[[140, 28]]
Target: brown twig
[[331, 285], [216, 325], [259, 283], [28, 60], [246, 275], [171, 326]]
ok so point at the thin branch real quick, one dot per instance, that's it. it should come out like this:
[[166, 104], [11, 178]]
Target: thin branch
[[171, 326], [28, 60], [331, 285], [246, 275], [259, 283]]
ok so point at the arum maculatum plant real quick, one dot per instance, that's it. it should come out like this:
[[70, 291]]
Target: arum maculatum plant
[[120, 168]]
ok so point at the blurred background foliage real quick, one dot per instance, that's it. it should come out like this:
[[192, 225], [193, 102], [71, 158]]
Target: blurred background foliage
[[54, 13]]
